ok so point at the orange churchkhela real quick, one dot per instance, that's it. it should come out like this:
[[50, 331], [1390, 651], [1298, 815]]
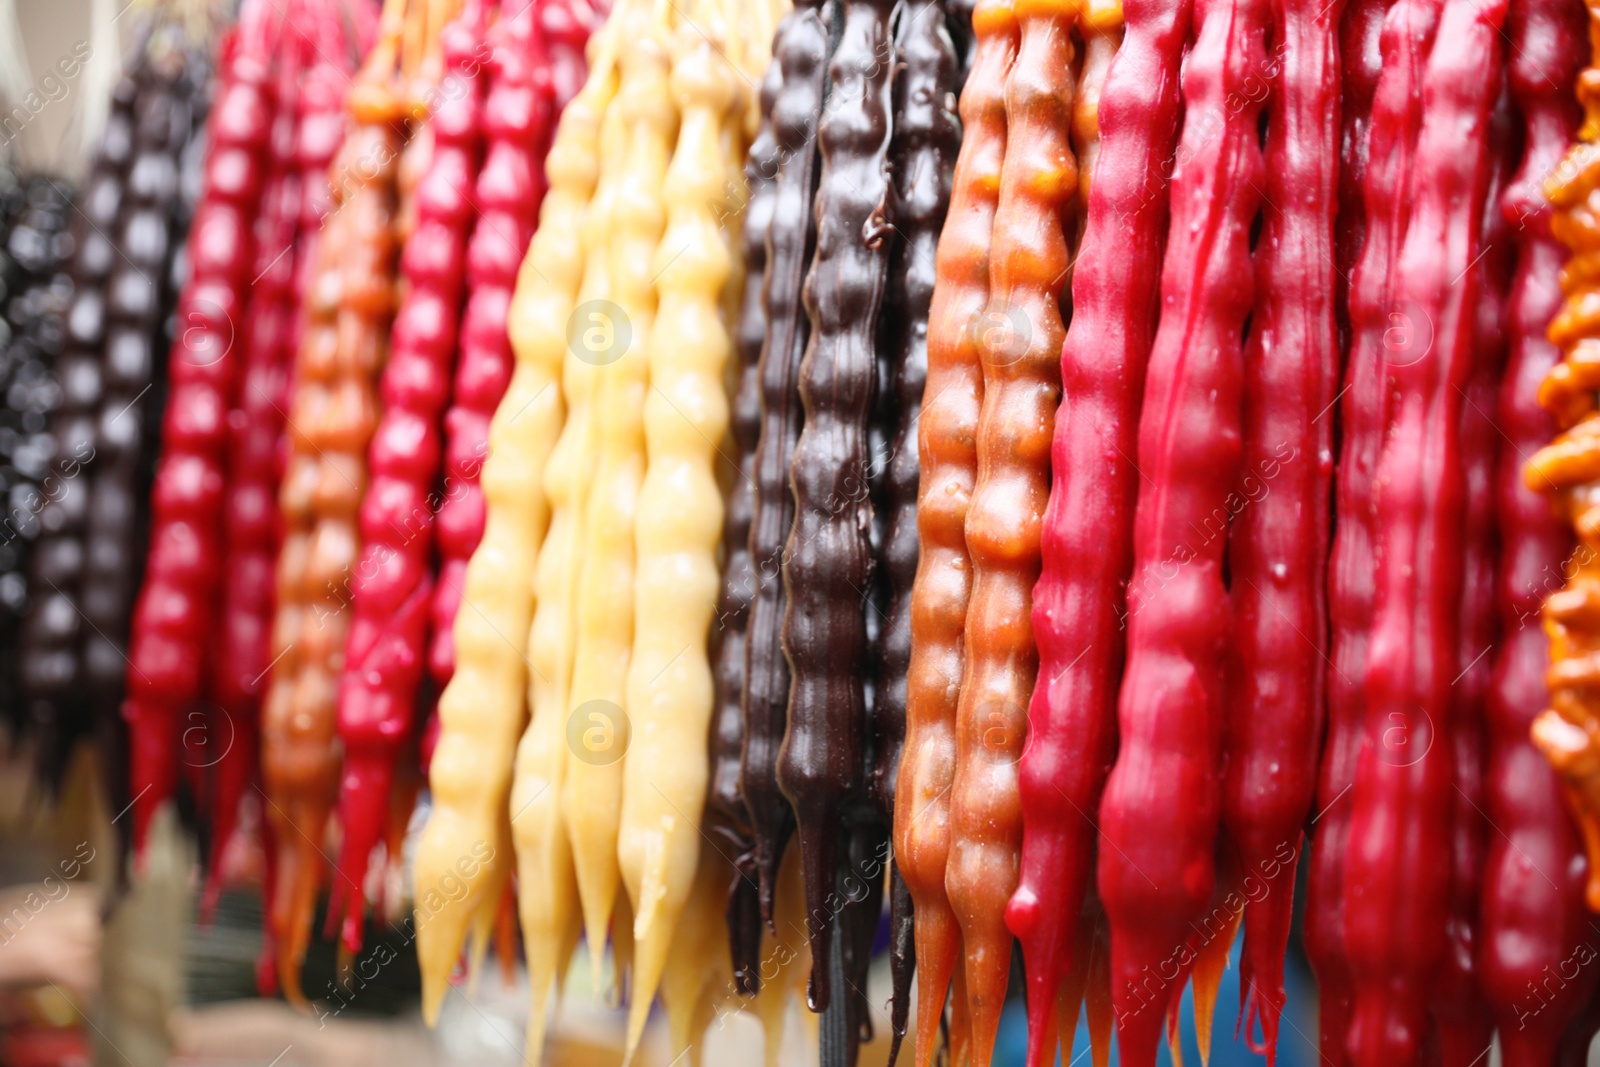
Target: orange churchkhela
[[331, 418], [1023, 328], [948, 461]]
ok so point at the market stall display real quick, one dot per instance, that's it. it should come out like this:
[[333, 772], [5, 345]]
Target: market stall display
[[741, 486]]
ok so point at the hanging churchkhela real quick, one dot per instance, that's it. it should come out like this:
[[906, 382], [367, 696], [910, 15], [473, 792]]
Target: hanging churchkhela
[[331, 417], [1395, 897], [38, 297], [1566, 732], [1079, 611], [948, 468], [136, 308], [1530, 922], [1278, 546], [1157, 884], [1380, 145], [828, 560], [51, 636], [467, 838], [922, 156], [173, 618], [800, 51], [1461, 1015], [727, 818], [307, 130], [669, 684], [603, 616], [393, 583], [1023, 328], [481, 711]]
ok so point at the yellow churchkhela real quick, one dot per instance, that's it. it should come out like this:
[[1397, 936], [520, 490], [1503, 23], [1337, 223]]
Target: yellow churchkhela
[[592, 789], [481, 712]]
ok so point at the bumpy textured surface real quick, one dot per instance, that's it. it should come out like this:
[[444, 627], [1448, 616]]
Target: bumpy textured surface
[[1019, 344], [801, 51], [922, 157], [506, 192], [727, 818], [175, 618], [481, 712], [1461, 1015], [1079, 610], [1160, 813], [393, 582], [1397, 867], [1568, 732], [828, 563], [604, 611], [309, 128], [137, 309], [1278, 544], [1533, 913], [947, 470], [1380, 143], [331, 418], [52, 634], [669, 682]]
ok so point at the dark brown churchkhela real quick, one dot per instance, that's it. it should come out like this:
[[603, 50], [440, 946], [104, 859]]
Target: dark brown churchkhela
[[922, 156], [32, 338], [49, 667], [801, 51], [727, 817], [828, 559], [12, 198]]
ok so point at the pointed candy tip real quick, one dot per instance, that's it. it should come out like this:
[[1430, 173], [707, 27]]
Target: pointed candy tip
[[433, 991], [638, 1015]]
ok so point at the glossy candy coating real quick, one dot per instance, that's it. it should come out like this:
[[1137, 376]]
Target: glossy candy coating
[[1162, 803], [1396, 876], [727, 818], [1019, 340], [828, 564], [393, 584], [922, 157], [801, 50], [1533, 913], [603, 631], [679, 523], [528, 485], [1388, 125], [174, 616], [1079, 607], [1278, 543], [947, 465]]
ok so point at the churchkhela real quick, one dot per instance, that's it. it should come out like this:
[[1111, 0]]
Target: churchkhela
[[1530, 922]]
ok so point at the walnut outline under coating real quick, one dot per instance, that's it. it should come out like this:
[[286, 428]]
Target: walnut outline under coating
[[801, 51], [828, 564], [947, 462], [1568, 470], [727, 817]]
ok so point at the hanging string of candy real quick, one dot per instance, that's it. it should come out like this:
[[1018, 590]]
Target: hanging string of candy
[[37, 299], [307, 127], [1520, 908], [51, 635]]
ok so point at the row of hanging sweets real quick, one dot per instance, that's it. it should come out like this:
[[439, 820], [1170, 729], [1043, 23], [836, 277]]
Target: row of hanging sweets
[[737, 458]]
